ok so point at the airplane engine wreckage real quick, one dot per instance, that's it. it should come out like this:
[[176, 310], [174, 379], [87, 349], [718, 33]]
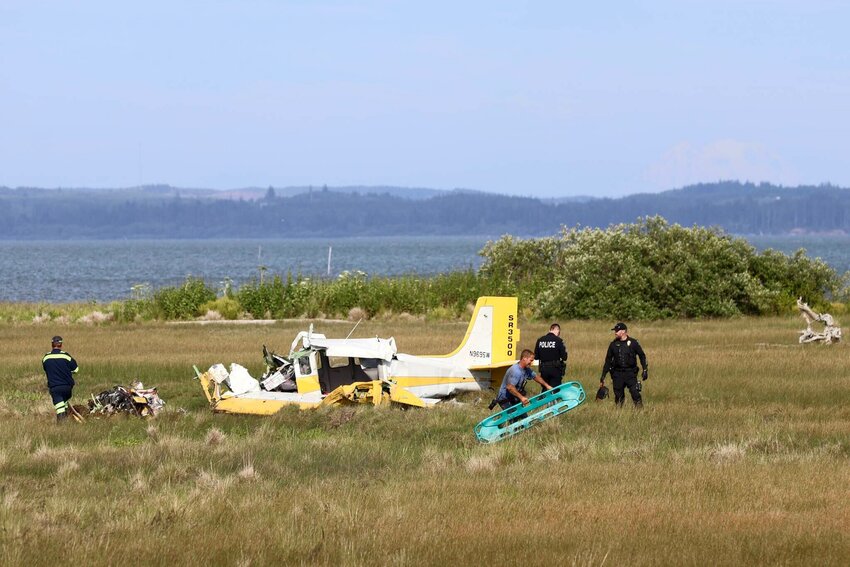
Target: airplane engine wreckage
[[320, 371], [138, 400]]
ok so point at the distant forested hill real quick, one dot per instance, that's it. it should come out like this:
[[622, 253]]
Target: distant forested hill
[[166, 212]]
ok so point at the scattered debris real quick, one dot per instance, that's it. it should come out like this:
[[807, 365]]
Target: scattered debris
[[831, 332], [137, 400], [280, 374]]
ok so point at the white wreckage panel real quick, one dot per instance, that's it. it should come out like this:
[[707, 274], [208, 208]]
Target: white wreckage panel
[[369, 348], [240, 381], [408, 364], [433, 393]]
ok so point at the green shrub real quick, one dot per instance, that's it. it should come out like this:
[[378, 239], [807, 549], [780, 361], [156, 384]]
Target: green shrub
[[227, 307], [790, 277], [134, 309], [524, 268], [262, 299], [302, 297], [651, 270], [456, 290], [141, 305], [183, 302], [348, 291]]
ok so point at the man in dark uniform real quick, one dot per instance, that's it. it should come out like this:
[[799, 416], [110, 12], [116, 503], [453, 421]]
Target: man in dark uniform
[[59, 366], [551, 353], [621, 362]]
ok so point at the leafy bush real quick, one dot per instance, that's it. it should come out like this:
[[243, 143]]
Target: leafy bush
[[140, 305], [263, 299], [457, 290], [650, 270], [519, 267], [227, 307], [790, 277], [133, 309], [183, 302], [349, 291]]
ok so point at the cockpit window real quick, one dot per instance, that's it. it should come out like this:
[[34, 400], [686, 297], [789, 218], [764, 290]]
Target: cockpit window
[[338, 361], [335, 371], [304, 365]]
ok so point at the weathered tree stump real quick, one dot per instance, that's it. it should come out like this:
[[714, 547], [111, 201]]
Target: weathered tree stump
[[831, 332]]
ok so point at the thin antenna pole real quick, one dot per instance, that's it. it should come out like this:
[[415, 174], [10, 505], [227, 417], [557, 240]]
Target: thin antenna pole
[[330, 250], [355, 326]]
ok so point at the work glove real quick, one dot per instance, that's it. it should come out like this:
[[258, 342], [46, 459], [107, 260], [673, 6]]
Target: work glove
[[645, 374]]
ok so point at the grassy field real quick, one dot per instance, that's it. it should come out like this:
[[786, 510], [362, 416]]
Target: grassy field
[[740, 456]]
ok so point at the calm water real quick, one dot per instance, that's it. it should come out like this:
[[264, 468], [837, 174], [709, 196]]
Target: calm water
[[105, 270], [68, 271]]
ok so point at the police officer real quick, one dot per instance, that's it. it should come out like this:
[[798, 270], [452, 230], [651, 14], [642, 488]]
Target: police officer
[[59, 366], [551, 354], [621, 362]]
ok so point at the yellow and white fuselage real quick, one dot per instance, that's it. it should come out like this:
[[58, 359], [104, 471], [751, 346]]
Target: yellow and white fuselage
[[331, 371]]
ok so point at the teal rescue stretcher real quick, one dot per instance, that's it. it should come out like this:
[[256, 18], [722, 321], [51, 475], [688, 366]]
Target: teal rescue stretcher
[[541, 407]]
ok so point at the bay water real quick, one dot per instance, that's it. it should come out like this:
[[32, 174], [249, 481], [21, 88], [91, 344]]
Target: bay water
[[95, 270]]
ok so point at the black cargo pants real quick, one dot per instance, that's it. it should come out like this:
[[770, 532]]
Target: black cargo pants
[[626, 379], [553, 373]]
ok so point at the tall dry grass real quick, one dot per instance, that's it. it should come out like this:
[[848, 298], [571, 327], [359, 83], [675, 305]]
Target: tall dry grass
[[740, 456]]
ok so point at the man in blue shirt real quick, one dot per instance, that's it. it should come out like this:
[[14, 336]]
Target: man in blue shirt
[[59, 366], [512, 391]]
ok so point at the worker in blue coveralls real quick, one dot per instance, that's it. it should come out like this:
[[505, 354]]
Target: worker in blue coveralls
[[59, 366], [512, 391]]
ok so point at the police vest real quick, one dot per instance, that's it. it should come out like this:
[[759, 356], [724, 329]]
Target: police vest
[[625, 357], [549, 348]]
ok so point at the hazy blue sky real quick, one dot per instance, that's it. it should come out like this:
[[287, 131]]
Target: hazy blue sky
[[530, 98]]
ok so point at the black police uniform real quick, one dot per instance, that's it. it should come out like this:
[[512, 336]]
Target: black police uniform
[[59, 366], [551, 355], [621, 362]]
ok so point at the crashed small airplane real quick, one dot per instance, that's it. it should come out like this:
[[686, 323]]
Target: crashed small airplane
[[322, 371]]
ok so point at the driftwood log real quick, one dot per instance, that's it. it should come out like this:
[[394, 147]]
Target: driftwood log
[[831, 332]]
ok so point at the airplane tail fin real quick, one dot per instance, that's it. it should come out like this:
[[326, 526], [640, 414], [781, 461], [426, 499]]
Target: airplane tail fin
[[492, 337]]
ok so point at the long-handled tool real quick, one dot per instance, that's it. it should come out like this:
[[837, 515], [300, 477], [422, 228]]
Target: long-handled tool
[[75, 414]]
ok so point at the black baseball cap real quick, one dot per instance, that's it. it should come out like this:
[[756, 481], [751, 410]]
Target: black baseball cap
[[620, 327], [57, 339]]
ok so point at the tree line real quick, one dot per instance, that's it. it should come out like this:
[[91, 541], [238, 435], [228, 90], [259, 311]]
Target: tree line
[[740, 208]]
